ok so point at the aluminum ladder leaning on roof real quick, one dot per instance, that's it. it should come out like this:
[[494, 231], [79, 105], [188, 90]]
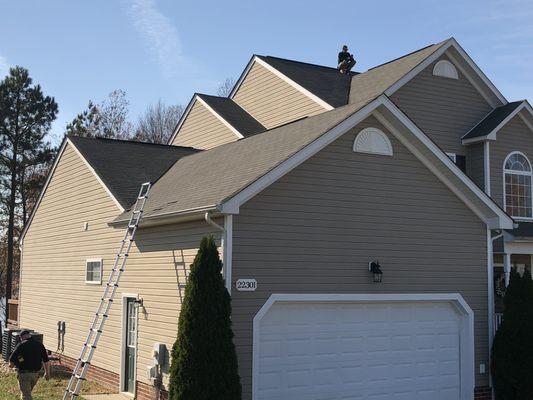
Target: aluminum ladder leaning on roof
[[97, 327]]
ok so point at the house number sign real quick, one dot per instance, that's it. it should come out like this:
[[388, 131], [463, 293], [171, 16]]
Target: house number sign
[[246, 285]]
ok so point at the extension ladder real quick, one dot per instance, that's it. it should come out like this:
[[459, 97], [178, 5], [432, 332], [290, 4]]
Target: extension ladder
[[97, 327]]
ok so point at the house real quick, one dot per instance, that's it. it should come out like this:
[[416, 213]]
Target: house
[[306, 177]]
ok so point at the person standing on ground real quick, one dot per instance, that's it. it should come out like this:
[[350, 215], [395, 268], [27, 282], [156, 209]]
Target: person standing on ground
[[346, 61], [28, 357]]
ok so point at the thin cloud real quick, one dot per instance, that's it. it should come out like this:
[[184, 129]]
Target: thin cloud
[[160, 35]]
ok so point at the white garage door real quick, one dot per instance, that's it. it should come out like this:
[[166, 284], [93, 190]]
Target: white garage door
[[371, 351]]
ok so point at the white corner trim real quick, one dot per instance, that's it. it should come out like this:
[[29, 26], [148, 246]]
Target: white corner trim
[[121, 209], [445, 69], [286, 79], [434, 56], [466, 333], [217, 115], [43, 190], [372, 141], [486, 166], [228, 249]]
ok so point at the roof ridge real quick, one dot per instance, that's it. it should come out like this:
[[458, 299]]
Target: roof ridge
[[305, 63], [405, 55], [134, 142]]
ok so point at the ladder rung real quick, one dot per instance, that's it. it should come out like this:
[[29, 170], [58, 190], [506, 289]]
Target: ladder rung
[[113, 281]]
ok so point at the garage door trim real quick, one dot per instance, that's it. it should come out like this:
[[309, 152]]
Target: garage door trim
[[467, 367]]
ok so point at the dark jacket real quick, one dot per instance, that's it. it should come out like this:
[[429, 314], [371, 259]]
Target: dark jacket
[[29, 356]]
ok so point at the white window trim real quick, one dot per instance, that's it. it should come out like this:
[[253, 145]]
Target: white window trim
[[467, 369], [454, 75], [525, 173], [373, 131], [452, 157], [99, 260]]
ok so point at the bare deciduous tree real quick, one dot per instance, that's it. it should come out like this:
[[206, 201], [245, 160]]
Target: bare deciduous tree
[[109, 119], [158, 122], [225, 87]]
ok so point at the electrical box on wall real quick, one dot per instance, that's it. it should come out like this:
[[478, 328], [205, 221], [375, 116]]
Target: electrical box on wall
[[159, 353]]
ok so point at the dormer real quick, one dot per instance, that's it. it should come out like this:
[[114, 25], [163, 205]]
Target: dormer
[[210, 121]]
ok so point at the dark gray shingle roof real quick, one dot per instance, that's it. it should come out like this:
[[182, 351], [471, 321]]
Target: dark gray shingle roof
[[492, 120], [233, 114], [209, 178], [324, 82], [124, 165]]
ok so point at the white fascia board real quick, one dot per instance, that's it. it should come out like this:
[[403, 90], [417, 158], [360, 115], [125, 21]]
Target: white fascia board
[[218, 116], [119, 206], [499, 220], [505, 222], [439, 52], [182, 119], [242, 77], [231, 205], [283, 77], [43, 190], [478, 71], [492, 134]]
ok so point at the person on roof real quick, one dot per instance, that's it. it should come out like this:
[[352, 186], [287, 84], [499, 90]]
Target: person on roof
[[346, 61]]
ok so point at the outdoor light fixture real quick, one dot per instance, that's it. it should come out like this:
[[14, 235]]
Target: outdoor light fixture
[[377, 273]]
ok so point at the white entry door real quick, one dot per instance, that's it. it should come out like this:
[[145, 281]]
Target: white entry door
[[367, 351]]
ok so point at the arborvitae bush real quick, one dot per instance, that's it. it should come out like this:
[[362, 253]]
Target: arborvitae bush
[[512, 350], [204, 361]]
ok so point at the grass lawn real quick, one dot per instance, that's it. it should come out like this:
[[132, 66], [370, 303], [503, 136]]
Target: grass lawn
[[45, 390]]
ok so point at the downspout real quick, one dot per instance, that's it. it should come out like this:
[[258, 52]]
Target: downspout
[[490, 286], [226, 244]]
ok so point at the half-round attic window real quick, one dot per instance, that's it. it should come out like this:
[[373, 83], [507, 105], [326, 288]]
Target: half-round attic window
[[445, 69], [373, 141]]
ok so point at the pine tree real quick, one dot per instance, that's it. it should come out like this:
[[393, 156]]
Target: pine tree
[[512, 352], [204, 361], [26, 116]]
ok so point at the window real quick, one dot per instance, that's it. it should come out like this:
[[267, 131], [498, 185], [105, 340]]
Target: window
[[373, 141], [445, 69], [517, 182], [93, 271]]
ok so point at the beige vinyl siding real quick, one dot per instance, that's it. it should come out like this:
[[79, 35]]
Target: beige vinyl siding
[[445, 109], [53, 274], [515, 136], [316, 229], [271, 100], [203, 130], [475, 163]]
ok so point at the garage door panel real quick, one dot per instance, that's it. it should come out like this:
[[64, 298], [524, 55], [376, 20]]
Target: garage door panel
[[367, 351]]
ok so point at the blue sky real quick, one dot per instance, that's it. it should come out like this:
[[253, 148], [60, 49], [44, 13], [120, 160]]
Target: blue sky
[[162, 49]]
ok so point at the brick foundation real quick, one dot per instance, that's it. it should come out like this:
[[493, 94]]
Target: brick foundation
[[144, 391], [483, 393], [111, 380]]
